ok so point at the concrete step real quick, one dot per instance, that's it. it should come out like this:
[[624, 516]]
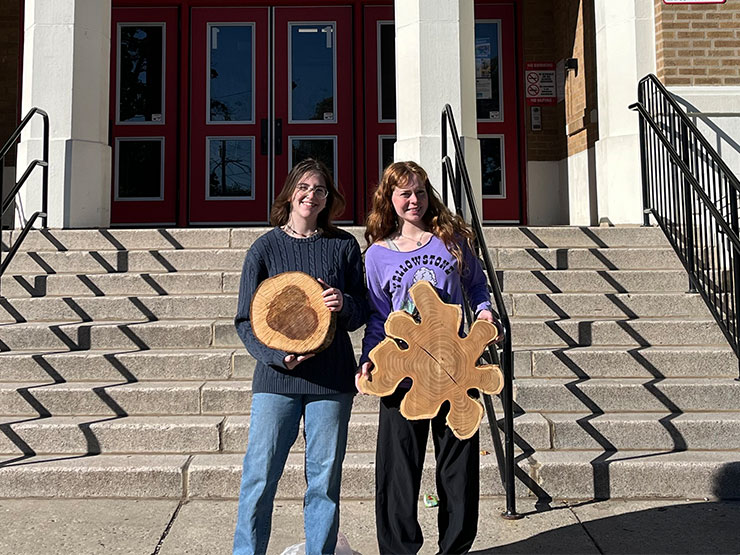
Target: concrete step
[[581, 332], [594, 473], [169, 259], [131, 365], [81, 476], [140, 307], [647, 474], [574, 237], [171, 307], [610, 305], [125, 434], [634, 362], [171, 398], [217, 476], [104, 398], [116, 261], [143, 335], [615, 258], [159, 435], [562, 475], [593, 281], [627, 395], [145, 239], [128, 284], [363, 433], [712, 431], [179, 238], [62, 240], [641, 332]]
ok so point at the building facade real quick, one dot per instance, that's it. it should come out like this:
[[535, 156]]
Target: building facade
[[191, 112]]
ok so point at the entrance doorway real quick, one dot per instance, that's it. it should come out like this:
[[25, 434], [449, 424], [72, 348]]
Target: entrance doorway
[[267, 87], [497, 112], [211, 106], [270, 87]]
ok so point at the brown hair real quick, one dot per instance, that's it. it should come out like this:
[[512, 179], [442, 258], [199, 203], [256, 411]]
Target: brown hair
[[382, 221], [335, 203]]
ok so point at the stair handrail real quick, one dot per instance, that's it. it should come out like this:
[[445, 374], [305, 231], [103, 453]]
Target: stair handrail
[[458, 179], [44, 165], [682, 190]]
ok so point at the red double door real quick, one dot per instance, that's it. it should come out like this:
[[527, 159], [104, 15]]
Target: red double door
[[211, 107], [264, 89]]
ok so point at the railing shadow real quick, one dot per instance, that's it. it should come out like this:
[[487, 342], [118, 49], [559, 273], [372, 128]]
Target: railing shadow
[[28, 454], [665, 528], [601, 463]]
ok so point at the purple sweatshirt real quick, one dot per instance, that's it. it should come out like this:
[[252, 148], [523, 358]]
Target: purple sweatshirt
[[390, 275]]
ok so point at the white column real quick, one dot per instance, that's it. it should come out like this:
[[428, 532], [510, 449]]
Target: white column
[[625, 52], [435, 65], [66, 71]]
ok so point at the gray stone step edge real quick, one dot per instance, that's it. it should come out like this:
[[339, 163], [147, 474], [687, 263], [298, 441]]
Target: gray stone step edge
[[228, 434], [561, 475]]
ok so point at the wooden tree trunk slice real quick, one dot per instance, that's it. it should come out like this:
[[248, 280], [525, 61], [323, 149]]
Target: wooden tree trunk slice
[[288, 314], [442, 365]]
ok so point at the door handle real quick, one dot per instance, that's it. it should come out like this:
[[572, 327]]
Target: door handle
[[278, 137], [263, 137]]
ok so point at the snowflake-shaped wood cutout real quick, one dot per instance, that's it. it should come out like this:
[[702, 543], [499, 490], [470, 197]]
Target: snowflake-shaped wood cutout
[[442, 365]]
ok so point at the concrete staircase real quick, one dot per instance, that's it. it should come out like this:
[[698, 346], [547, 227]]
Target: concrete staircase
[[121, 374]]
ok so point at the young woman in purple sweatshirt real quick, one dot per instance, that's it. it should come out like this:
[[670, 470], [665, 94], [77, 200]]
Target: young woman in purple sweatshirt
[[413, 237]]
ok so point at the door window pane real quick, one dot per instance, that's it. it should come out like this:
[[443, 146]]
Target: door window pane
[[318, 148], [312, 72], [230, 170], [386, 152], [231, 78], [491, 158], [140, 73], [139, 171], [387, 70], [488, 71]]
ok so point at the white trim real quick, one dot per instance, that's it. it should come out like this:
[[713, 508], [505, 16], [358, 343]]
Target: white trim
[[503, 164], [120, 140], [335, 118], [163, 25], [248, 138], [210, 25], [498, 22], [378, 24]]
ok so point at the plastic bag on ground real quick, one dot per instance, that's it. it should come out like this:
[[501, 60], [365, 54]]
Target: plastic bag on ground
[[342, 547]]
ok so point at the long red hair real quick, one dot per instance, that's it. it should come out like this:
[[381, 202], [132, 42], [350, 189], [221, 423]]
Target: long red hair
[[382, 222]]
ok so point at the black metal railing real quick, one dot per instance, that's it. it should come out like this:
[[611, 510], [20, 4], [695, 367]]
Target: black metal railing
[[693, 196], [457, 178], [8, 201]]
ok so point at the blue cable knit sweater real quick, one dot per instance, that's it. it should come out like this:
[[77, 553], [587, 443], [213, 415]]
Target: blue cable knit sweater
[[338, 261]]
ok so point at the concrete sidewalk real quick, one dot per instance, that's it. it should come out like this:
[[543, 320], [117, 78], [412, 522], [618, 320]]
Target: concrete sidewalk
[[112, 526]]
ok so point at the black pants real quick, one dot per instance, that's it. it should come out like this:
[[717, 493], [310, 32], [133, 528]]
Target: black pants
[[399, 461]]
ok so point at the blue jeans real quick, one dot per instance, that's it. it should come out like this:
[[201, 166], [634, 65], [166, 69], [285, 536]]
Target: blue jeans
[[273, 429]]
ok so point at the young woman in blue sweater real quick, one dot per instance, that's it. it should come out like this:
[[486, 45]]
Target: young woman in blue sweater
[[413, 237], [317, 388]]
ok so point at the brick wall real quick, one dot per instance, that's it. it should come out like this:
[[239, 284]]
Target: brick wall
[[698, 44], [537, 27], [9, 39], [555, 30]]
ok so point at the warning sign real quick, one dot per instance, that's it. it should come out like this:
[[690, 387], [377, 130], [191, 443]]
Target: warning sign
[[540, 83]]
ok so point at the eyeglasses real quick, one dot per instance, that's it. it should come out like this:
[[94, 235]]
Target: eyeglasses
[[319, 192]]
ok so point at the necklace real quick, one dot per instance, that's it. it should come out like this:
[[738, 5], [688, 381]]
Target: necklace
[[294, 232], [418, 241]]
